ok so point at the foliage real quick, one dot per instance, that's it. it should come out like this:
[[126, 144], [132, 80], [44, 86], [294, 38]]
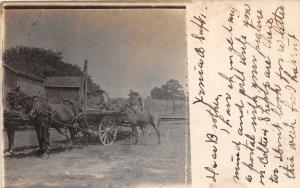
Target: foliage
[[171, 90], [43, 63]]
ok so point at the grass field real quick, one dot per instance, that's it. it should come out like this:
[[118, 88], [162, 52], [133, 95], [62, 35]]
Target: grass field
[[118, 165]]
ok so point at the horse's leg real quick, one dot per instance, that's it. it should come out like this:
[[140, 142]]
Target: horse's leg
[[72, 135], [87, 138], [37, 128], [156, 130], [142, 132], [146, 130], [45, 136], [85, 125], [135, 135], [11, 138]]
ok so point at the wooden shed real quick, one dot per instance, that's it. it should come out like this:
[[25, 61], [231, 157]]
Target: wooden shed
[[63, 87], [10, 77], [29, 83]]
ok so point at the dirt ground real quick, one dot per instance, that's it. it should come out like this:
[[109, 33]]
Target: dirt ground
[[118, 165]]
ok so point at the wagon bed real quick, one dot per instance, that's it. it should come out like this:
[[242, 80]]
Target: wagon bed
[[104, 124]]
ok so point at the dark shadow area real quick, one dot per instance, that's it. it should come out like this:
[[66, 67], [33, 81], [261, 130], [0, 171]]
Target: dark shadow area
[[59, 142], [23, 155], [23, 148], [82, 139], [58, 145], [36, 153], [123, 135]]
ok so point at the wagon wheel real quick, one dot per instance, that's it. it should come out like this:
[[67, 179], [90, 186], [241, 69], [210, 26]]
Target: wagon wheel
[[108, 129]]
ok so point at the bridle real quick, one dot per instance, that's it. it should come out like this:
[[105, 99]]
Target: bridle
[[16, 100]]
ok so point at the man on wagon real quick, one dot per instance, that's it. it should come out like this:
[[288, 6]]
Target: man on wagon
[[101, 99], [135, 100]]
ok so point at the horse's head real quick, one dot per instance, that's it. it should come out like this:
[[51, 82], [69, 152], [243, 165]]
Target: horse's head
[[19, 101], [13, 97]]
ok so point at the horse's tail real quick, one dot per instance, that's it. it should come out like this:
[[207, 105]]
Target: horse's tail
[[155, 126], [158, 121], [60, 131], [153, 120]]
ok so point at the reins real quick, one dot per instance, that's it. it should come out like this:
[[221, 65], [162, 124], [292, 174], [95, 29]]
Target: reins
[[20, 115], [130, 107], [69, 125]]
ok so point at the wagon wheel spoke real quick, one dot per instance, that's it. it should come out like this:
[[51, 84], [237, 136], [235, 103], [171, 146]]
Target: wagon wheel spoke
[[109, 138], [108, 129], [104, 124], [105, 139], [103, 135]]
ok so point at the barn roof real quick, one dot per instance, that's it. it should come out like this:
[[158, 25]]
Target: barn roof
[[24, 73], [63, 82]]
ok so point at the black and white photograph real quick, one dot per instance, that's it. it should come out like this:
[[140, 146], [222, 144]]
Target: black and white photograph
[[95, 97]]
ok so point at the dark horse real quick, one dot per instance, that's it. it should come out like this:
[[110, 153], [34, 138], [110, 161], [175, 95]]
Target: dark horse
[[44, 114]]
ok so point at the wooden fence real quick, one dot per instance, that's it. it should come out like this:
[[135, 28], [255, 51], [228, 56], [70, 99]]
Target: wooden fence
[[167, 107]]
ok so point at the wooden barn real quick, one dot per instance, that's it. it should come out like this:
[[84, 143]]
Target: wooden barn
[[63, 87], [29, 83]]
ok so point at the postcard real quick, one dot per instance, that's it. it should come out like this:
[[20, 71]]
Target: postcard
[[150, 94]]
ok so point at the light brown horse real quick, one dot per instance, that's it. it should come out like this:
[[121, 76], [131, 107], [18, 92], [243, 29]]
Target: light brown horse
[[140, 116], [141, 119]]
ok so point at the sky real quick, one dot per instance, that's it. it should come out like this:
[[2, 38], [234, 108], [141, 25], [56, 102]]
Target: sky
[[125, 48]]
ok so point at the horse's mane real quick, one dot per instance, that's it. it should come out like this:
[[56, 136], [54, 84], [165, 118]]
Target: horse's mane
[[77, 108], [74, 104]]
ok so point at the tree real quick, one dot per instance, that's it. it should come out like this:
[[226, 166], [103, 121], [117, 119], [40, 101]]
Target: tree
[[43, 63], [174, 89], [159, 93], [171, 90]]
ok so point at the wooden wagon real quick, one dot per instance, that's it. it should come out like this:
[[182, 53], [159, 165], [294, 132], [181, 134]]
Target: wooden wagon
[[102, 123]]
